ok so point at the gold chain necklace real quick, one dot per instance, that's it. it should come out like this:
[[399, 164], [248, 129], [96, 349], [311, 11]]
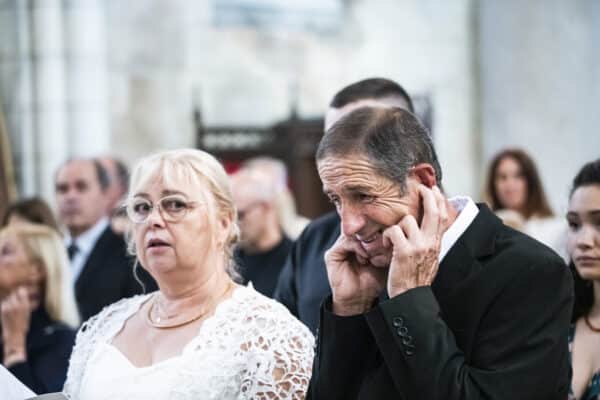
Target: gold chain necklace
[[161, 325]]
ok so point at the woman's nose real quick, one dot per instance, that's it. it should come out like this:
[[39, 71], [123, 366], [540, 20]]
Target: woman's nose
[[155, 217], [585, 236]]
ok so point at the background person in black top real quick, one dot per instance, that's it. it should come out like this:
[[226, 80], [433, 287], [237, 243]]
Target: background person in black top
[[263, 247], [303, 283]]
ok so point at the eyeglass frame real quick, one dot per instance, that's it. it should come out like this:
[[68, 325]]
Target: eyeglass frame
[[189, 205]]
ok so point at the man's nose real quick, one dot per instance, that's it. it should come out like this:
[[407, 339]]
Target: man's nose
[[352, 220]]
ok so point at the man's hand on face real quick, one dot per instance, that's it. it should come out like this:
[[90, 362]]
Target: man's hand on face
[[355, 283], [416, 249]]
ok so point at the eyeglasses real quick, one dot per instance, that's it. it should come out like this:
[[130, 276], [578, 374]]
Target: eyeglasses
[[171, 208]]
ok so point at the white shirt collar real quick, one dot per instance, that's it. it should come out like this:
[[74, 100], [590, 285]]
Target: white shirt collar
[[87, 240], [85, 244], [467, 210]]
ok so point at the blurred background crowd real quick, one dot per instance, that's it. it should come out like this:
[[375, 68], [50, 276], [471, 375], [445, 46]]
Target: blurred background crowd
[[509, 91]]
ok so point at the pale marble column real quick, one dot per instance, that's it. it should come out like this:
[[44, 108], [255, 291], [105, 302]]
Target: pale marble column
[[87, 72], [50, 145]]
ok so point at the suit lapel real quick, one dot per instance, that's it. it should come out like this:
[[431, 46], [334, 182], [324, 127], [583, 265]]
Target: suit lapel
[[93, 262], [462, 262]]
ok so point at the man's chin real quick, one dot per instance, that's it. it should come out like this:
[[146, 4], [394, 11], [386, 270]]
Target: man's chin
[[380, 260]]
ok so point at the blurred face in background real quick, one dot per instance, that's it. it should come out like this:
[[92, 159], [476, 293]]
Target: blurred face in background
[[583, 239], [80, 199], [253, 195], [16, 219], [251, 216], [12, 256], [510, 184], [116, 191]]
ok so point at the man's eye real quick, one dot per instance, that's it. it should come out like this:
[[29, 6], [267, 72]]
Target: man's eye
[[81, 186], [365, 198]]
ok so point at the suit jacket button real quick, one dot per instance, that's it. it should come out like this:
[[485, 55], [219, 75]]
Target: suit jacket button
[[402, 331], [397, 322]]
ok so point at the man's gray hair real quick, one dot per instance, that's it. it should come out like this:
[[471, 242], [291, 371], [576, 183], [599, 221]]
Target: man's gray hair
[[392, 139]]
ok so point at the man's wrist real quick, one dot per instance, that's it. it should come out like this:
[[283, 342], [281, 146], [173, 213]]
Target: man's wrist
[[347, 309], [397, 290]]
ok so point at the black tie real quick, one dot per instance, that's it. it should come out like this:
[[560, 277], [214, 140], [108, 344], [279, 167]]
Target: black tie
[[72, 249]]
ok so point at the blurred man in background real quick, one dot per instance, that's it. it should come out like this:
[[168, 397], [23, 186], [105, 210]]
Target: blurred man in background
[[101, 269], [118, 176], [263, 247]]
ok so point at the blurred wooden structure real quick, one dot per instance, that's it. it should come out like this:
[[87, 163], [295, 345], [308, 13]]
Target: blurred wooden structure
[[7, 180], [294, 141]]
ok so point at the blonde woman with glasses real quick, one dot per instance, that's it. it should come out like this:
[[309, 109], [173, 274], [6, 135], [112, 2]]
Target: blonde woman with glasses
[[201, 335], [39, 317]]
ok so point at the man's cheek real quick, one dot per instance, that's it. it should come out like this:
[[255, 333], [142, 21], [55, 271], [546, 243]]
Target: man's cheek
[[381, 260]]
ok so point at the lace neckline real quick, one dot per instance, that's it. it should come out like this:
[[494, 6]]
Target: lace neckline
[[221, 309]]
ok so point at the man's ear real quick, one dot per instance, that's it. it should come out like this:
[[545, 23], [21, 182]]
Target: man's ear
[[425, 174]]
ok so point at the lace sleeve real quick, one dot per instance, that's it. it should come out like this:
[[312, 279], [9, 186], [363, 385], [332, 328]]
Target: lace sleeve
[[281, 356], [89, 335]]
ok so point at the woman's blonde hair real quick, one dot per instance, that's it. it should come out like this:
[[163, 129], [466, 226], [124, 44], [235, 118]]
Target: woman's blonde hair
[[44, 245], [194, 166]]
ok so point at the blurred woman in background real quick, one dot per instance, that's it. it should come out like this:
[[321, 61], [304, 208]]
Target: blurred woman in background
[[31, 210], [514, 191], [37, 319], [584, 250]]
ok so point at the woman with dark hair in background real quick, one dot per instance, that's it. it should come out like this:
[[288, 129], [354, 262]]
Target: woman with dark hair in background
[[31, 210], [515, 192], [583, 243]]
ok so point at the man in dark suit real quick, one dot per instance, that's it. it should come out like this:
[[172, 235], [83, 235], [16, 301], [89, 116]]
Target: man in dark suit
[[432, 298], [303, 284], [101, 269]]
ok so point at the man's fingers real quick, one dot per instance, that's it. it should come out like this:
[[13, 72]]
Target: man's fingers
[[442, 208], [395, 235], [431, 217], [343, 247], [410, 227]]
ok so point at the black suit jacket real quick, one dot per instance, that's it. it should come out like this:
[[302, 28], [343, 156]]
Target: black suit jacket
[[107, 276], [494, 325], [49, 346], [303, 283]]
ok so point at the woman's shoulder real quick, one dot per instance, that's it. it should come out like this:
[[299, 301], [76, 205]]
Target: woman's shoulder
[[114, 313], [253, 310], [258, 304]]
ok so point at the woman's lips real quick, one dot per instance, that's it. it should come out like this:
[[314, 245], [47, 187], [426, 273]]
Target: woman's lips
[[586, 259]]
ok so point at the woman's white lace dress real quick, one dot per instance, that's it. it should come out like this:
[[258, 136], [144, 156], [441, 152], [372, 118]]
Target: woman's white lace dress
[[251, 348]]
